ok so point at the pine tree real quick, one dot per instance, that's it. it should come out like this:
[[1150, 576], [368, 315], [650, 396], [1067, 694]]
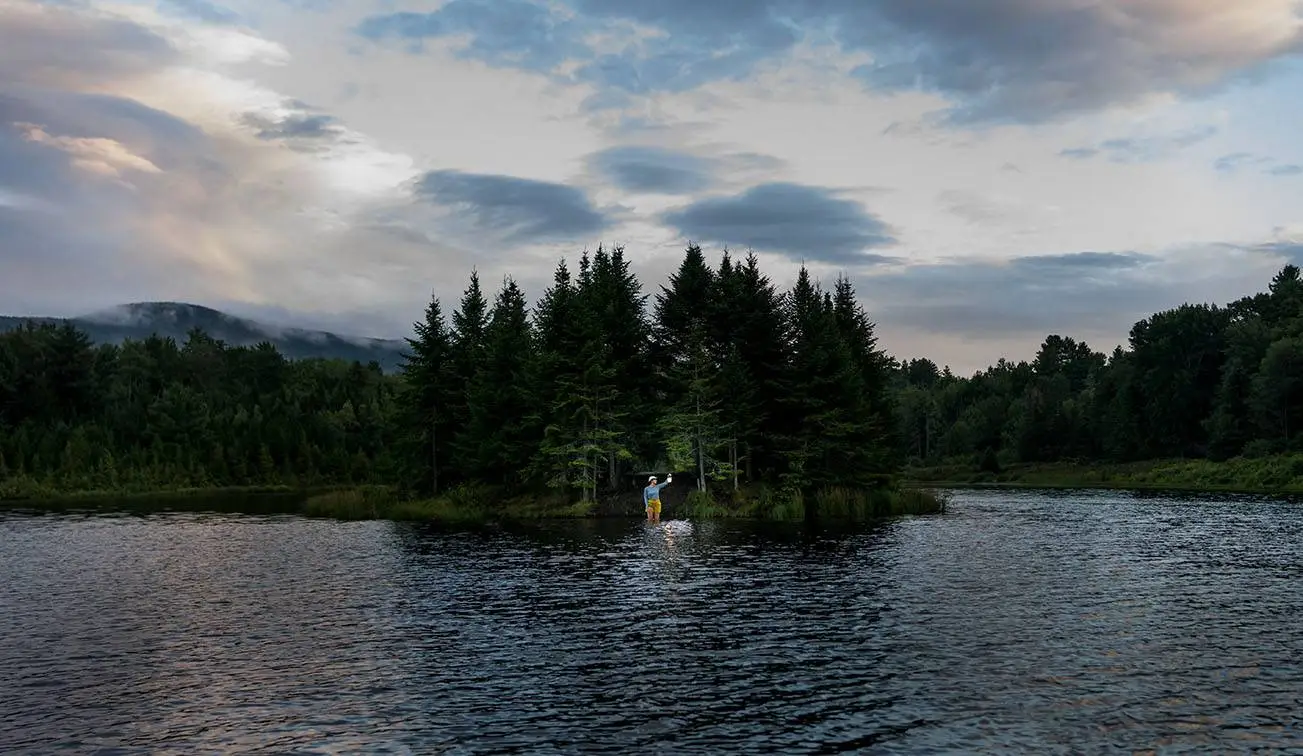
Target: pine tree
[[614, 315], [469, 322], [692, 426], [763, 341], [876, 417], [500, 435], [821, 448], [428, 400], [584, 429], [685, 364]]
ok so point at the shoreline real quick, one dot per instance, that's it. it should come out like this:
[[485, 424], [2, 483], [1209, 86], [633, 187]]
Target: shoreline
[[1104, 486], [1280, 475], [475, 506]]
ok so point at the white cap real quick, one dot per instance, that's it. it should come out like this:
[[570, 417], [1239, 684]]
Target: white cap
[[651, 479]]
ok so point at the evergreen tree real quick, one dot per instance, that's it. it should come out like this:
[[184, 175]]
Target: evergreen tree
[[429, 374], [614, 311], [685, 365], [499, 439], [762, 337], [469, 323]]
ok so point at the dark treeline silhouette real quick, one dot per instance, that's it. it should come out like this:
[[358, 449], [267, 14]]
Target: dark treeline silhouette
[[717, 376], [1197, 381], [154, 415]]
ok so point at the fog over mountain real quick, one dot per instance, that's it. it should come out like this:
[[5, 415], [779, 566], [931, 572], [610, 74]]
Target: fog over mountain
[[139, 320]]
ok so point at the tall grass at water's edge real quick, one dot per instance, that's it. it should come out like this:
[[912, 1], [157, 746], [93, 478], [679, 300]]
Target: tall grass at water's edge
[[1275, 474], [473, 504], [481, 504], [464, 504], [24, 490]]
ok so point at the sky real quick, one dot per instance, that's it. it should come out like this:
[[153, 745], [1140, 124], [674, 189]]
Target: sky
[[987, 172]]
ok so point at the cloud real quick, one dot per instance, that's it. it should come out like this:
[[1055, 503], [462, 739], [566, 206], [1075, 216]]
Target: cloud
[[1079, 262], [106, 157], [52, 46], [1036, 60], [1096, 294], [652, 170], [659, 170], [802, 222], [1142, 149], [295, 126], [997, 61], [975, 311], [1233, 162], [133, 167], [201, 10], [524, 210], [509, 33], [1284, 245]]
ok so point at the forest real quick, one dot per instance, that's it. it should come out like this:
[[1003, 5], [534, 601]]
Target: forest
[[718, 376], [1195, 382]]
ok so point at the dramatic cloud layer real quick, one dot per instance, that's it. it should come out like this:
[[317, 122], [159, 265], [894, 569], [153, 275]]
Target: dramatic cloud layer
[[999, 60], [653, 169], [523, 210], [800, 221], [987, 172]]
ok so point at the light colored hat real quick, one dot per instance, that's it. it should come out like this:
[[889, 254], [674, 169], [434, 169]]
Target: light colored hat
[[651, 479]]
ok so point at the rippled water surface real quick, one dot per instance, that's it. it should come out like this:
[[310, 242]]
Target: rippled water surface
[[1032, 622]]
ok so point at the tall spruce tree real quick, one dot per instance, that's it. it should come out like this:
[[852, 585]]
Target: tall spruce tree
[[500, 435], [426, 408], [469, 322], [686, 367], [823, 449], [614, 309], [876, 418], [763, 340]]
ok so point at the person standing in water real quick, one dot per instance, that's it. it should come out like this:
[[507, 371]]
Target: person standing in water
[[651, 497]]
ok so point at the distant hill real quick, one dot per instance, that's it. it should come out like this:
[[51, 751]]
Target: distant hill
[[139, 320]]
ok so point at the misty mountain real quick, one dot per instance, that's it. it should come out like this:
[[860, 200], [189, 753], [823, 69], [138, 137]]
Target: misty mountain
[[139, 320]]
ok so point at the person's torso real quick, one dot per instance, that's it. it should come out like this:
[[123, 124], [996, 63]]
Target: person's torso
[[651, 492]]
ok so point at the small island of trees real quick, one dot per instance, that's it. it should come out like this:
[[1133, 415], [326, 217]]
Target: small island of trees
[[767, 403]]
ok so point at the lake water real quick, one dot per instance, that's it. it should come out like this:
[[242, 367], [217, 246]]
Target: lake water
[[1017, 622]]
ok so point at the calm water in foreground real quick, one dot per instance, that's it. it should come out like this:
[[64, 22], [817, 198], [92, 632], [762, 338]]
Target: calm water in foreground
[[1024, 622]]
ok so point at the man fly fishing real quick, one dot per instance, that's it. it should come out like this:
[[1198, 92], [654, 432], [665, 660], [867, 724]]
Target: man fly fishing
[[651, 497]]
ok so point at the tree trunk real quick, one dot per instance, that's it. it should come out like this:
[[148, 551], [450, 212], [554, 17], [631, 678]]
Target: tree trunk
[[701, 453], [583, 490], [733, 452]]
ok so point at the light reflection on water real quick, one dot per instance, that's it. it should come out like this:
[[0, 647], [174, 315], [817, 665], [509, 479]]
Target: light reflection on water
[[1045, 623]]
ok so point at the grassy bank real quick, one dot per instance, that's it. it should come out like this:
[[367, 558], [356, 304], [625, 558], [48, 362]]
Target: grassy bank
[[469, 505], [483, 504], [19, 490], [1274, 474], [461, 505]]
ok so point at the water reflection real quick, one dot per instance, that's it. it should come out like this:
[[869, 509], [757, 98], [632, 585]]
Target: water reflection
[[1044, 623]]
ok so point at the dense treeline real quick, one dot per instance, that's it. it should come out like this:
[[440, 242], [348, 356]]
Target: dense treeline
[[154, 415], [719, 376], [1197, 381]]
